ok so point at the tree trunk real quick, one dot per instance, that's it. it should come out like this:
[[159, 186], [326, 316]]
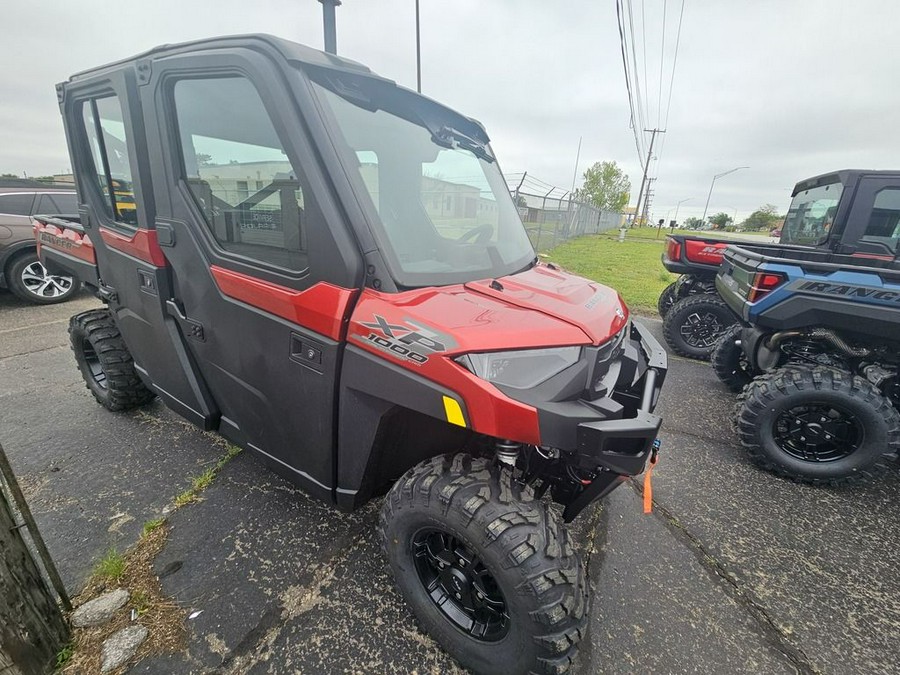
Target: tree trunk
[[32, 627]]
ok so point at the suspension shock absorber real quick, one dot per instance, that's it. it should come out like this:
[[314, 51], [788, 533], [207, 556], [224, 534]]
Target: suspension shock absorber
[[508, 452]]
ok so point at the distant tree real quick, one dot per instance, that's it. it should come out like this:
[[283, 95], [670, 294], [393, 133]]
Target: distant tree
[[693, 223], [605, 186], [8, 175], [763, 218], [720, 220], [203, 159], [521, 201]]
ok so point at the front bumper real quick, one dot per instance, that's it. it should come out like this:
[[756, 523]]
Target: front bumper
[[624, 445], [610, 429]]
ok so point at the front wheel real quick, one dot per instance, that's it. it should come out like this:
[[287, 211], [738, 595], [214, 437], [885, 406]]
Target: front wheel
[[486, 568], [818, 425], [693, 325], [729, 361], [666, 299]]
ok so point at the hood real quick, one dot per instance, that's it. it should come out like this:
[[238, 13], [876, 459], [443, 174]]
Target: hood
[[542, 307], [596, 309]]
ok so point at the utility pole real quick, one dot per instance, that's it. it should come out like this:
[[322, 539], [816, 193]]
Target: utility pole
[[637, 206], [329, 24], [648, 199]]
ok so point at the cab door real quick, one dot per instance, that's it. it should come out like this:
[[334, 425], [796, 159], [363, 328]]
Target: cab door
[[264, 272], [104, 130], [873, 228]]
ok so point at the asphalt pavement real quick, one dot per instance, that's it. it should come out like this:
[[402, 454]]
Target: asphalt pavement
[[735, 571]]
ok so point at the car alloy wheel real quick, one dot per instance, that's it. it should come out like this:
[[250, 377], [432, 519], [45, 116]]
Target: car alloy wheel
[[38, 281]]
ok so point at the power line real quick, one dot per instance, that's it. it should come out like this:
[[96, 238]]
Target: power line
[[662, 58], [644, 43], [621, 25], [635, 77], [674, 61], [662, 147]]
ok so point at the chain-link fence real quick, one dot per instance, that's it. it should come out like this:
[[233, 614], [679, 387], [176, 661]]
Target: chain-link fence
[[553, 215]]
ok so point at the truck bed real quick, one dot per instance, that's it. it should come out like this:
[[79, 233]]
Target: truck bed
[[692, 254], [785, 288], [64, 248]]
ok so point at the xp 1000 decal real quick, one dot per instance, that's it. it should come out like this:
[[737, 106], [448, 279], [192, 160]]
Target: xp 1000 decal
[[406, 339]]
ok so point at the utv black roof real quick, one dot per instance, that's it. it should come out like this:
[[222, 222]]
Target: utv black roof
[[843, 176], [292, 51]]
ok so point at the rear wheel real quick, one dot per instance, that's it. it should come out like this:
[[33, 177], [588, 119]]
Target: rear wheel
[[105, 362], [29, 280], [666, 299], [486, 568], [692, 326], [818, 425], [729, 361]]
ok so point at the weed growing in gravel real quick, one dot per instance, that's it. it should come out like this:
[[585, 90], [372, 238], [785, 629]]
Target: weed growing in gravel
[[64, 654], [205, 479], [111, 566], [151, 525]]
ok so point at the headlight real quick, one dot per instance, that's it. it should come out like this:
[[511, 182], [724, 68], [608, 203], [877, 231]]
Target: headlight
[[521, 369]]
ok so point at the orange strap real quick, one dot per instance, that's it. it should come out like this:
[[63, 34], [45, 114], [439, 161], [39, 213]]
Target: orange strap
[[648, 485]]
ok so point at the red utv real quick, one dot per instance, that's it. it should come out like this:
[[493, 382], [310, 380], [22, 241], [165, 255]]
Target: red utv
[[327, 269]]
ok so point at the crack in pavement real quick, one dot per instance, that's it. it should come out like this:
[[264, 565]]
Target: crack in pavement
[[34, 351], [743, 597]]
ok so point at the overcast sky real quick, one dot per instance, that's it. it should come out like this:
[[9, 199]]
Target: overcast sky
[[790, 88]]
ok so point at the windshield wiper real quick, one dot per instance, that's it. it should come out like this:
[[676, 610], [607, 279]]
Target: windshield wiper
[[449, 137], [531, 263]]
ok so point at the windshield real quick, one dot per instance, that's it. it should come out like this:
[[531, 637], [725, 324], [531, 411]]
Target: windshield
[[811, 215], [443, 212]]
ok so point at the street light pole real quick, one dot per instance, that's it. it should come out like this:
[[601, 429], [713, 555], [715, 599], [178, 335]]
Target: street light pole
[[711, 185], [678, 205]]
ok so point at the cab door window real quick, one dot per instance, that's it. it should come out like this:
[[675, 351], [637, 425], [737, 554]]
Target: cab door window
[[105, 129], [884, 220], [239, 174]]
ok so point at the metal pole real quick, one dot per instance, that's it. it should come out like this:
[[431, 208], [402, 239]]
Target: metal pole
[[577, 157], [418, 53], [637, 206], [329, 25], [679, 204], [717, 176], [703, 220]]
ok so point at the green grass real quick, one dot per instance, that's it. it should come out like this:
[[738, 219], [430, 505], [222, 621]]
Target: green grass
[[111, 565], [64, 655], [204, 480], [152, 525], [632, 267]]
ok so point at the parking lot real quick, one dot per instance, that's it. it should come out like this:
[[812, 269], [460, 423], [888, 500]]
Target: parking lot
[[735, 571]]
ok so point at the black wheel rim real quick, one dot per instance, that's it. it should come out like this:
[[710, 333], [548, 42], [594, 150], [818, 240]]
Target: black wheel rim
[[701, 329], [460, 586], [93, 364], [818, 433]]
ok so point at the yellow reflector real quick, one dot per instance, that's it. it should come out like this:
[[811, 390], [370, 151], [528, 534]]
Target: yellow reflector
[[454, 412]]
